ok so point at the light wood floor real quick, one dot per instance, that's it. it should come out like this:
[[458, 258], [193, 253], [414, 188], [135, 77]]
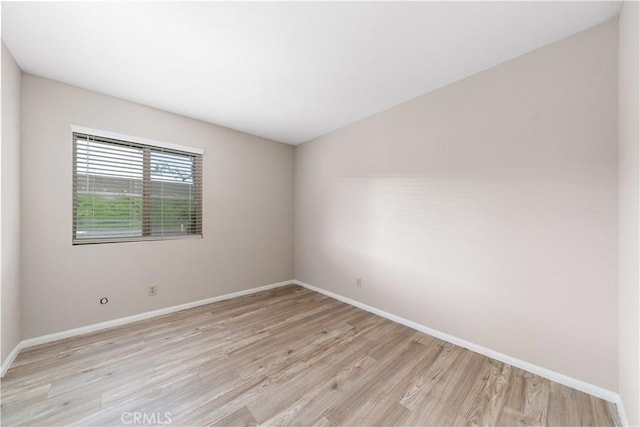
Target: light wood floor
[[286, 356]]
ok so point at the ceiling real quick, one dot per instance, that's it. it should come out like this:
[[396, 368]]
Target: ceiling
[[285, 71]]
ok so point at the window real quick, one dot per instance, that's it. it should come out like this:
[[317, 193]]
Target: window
[[130, 191]]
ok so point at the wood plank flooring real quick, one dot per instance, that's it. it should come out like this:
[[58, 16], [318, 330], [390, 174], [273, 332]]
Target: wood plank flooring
[[288, 356]]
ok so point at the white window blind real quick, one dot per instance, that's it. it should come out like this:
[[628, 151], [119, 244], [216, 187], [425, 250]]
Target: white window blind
[[128, 191]]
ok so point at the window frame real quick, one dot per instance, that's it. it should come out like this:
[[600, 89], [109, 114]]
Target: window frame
[[147, 146]]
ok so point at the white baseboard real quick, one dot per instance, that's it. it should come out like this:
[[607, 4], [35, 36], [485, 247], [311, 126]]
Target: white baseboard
[[621, 413], [9, 360], [538, 370], [129, 319]]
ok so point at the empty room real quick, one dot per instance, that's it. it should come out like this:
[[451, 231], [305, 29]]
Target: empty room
[[320, 213]]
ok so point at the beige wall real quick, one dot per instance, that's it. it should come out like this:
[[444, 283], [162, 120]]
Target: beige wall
[[629, 176], [247, 213], [10, 154], [486, 210]]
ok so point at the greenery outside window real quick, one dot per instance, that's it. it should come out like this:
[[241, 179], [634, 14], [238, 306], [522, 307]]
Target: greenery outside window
[[130, 191]]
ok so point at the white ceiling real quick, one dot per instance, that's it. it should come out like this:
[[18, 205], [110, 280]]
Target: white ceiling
[[285, 71]]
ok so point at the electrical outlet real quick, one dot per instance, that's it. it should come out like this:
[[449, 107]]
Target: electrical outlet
[[153, 290], [359, 282]]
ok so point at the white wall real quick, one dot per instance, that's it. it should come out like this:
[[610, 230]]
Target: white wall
[[629, 232], [247, 213], [486, 209], [10, 287]]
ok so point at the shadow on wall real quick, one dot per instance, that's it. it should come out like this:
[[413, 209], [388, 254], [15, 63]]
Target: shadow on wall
[[479, 258]]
